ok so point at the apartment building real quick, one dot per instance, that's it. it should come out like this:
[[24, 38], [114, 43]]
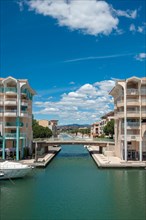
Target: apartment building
[[52, 125], [43, 122], [130, 118], [97, 127], [105, 119], [15, 116]]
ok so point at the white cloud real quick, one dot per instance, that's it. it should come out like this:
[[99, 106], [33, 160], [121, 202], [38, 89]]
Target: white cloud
[[72, 83], [90, 17], [132, 28], [98, 57], [141, 56], [128, 13], [21, 4], [140, 29], [87, 104]]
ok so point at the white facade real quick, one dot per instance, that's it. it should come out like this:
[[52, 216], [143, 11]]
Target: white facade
[[15, 116], [130, 118]]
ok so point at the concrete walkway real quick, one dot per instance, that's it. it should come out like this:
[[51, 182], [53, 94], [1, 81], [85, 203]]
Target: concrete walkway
[[42, 161], [112, 161]]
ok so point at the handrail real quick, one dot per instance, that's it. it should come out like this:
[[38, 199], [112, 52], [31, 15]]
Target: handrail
[[10, 89]]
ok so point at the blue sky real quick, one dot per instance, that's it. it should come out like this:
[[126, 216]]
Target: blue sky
[[71, 52]]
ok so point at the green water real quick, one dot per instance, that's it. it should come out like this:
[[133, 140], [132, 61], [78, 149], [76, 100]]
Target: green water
[[73, 188]]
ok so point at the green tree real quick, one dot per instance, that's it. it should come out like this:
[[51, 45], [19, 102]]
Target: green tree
[[40, 131], [109, 128], [85, 131]]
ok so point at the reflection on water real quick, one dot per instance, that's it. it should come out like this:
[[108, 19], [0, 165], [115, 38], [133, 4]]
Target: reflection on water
[[73, 188]]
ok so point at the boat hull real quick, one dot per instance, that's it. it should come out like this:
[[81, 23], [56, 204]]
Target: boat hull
[[11, 170], [15, 173]]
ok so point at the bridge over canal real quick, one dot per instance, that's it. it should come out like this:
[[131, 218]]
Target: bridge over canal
[[39, 145], [73, 142], [45, 146]]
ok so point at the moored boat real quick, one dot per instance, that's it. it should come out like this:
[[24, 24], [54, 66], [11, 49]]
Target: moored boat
[[11, 170]]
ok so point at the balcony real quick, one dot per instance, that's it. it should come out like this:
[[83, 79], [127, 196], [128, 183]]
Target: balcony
[[130, 114], [24, 92], [133, 113], [133, 102], [24, 114], [132, 137], [132, 91], [13, 124], [143, 113], [10, 101], [143, 91], [1, 112], [1, 101], [131, 125], [10, 90], [12, 113], [24, 102], [129, 102], [1, 90], [13, 135], [143, 102]]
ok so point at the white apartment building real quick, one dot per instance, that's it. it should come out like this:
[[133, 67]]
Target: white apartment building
[[97, 127], [95, 132], [130, 118], [105, 119], [15, 116]]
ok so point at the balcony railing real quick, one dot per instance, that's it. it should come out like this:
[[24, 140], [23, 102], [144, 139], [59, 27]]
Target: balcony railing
[[132, 124], [10, 135], [1, 90], [13, 135], [24, 91], [11, 89], [13, 124], [129, 112], [24, 102], [143, 91], [10, 99], [133, 112], [132, 91], [11, 110], [131, 137]]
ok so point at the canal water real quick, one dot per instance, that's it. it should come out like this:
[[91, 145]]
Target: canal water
[[72, 187]]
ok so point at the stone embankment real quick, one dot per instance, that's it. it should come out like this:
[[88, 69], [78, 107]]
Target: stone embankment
[[42, 161], [111, 161]]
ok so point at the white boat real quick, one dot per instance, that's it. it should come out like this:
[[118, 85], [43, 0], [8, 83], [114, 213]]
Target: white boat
[[1, 174], [10, 170]]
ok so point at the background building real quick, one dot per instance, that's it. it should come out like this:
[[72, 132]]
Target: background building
[[130, 118], [95, 130], [44, 123], [52, 125], [97, 127], [15, 116]]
